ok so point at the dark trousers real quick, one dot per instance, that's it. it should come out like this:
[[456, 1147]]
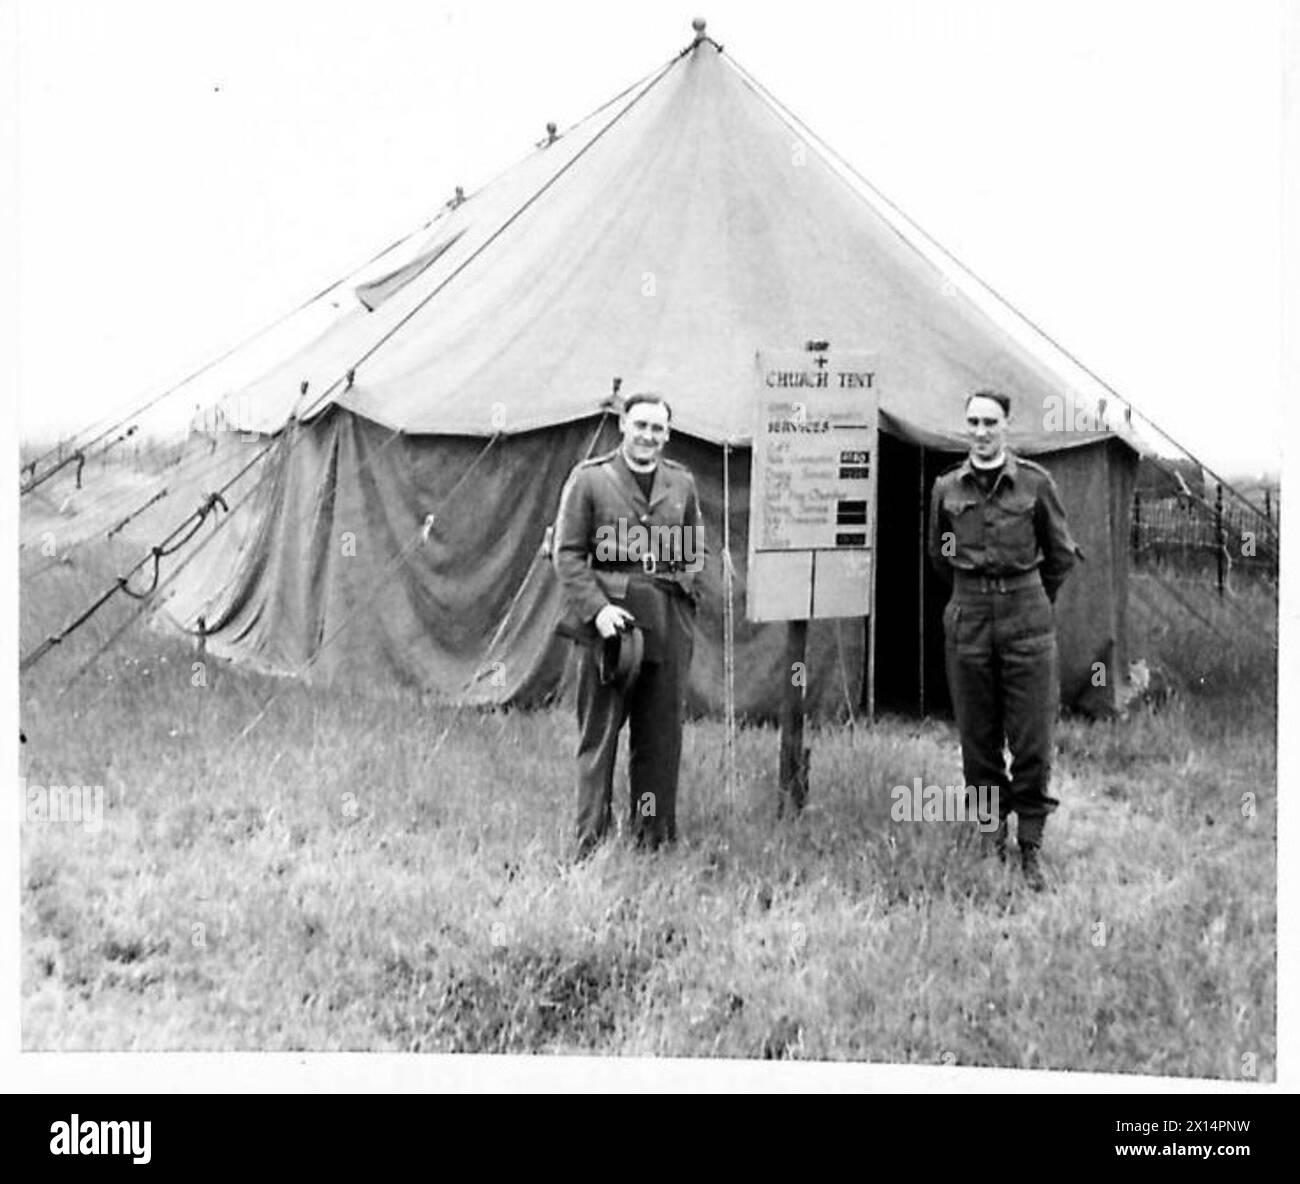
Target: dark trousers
[[653, 708], [1000, 649]]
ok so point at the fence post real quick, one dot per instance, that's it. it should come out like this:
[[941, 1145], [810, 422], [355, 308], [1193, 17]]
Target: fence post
[[1218, 534], [1137, 524]]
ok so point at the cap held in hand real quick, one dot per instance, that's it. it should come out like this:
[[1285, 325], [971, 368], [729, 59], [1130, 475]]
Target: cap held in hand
[[620, 658]]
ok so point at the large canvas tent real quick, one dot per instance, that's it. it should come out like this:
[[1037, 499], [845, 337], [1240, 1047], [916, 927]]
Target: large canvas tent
[[396, 527]]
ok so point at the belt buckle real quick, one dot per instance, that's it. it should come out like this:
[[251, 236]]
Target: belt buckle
[[650, 563]]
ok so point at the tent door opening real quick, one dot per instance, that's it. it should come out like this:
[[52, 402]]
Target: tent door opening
[[910, 676]]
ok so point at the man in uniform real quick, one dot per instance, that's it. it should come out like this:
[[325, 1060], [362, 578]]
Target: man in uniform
[[629, 541], [998, 531]]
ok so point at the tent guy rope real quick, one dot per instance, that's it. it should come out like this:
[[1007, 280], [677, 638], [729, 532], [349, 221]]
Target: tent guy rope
[[349, 372], [797, 125]]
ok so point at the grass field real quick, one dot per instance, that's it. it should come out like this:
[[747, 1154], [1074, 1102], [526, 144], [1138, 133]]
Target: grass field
[[389, 874]]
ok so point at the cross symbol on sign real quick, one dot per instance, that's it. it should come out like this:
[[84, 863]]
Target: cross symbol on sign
[[820, 362]]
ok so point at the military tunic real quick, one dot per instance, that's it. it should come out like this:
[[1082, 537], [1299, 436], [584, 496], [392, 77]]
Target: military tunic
[[1006, 552], [615, 545]]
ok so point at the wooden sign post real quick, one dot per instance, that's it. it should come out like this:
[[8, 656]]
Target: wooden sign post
[[812, 515], [794, 759]]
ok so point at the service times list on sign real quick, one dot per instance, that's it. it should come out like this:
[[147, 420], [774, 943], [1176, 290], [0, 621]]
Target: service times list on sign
[[817, 478]]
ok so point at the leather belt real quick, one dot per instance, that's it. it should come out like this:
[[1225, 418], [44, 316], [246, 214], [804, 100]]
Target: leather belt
[[648, 566], [969, 581]]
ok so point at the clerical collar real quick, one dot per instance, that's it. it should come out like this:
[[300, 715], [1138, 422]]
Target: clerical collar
[[990, 465], [635, 468]]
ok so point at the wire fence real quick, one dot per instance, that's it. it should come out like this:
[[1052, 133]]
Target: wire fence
[[1197, 536]]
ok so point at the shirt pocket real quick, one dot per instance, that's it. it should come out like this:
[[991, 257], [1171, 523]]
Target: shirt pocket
[[1017, 542], [967, 519]]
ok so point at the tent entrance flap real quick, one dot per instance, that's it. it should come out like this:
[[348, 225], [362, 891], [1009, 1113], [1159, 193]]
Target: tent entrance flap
[[910, 676]]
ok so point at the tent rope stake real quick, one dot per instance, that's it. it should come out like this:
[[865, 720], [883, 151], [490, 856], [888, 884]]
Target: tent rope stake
[[192, 466], [159, 552], [167, 546], [174, 575], [198, 469], [78, 458], [123, 581]]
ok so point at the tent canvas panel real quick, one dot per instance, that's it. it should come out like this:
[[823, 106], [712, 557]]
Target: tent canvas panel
[[336, 568]]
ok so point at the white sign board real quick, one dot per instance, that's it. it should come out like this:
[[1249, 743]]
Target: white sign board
[[812, 494]]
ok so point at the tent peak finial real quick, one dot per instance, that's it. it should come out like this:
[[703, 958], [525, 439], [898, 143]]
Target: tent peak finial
[[699, 24]]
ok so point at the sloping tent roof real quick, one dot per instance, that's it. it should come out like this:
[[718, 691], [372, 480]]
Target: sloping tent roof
[[662, 240]]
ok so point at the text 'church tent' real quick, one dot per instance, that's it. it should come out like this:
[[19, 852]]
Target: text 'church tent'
[[662, 241]]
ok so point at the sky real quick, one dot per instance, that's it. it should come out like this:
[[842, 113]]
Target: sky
[[185, 174]]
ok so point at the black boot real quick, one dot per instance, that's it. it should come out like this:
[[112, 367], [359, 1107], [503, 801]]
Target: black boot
[[996, 843], [1030, 866]]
